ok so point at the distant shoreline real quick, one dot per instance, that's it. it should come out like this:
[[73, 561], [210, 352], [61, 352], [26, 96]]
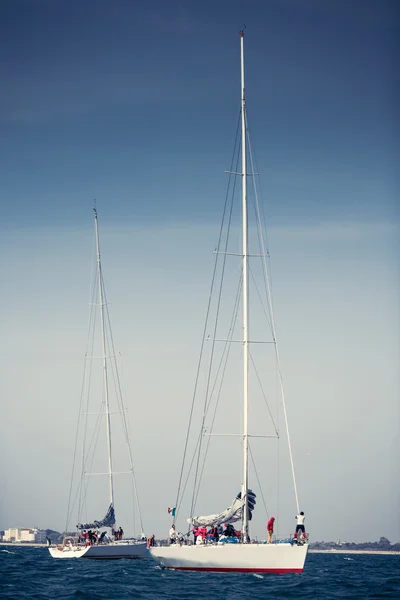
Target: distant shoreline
[[23, 544], [337, 551], [313, 551]]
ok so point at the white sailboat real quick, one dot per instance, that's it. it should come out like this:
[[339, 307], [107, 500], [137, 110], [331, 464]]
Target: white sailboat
[[98, 539], [221, 554]]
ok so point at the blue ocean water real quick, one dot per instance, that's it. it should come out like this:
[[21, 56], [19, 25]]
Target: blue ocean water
[[32, 573]]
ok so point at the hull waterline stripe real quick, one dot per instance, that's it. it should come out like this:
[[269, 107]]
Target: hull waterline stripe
[[113, 557], [238, 570]]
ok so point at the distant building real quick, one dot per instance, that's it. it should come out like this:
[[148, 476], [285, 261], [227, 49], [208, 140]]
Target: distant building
[[24, 534]]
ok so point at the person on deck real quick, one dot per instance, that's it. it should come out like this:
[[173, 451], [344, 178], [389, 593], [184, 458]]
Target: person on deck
[[199, 538], [215, 534], [270, 529], [229, 530], [195, 533], [120, 533], [300, 524], [102, 536], [173, 536], [85, 537]]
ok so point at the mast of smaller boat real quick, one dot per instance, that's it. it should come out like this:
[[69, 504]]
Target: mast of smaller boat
[[245, 484], [105, 372]]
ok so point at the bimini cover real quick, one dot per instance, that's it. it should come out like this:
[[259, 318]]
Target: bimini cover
[[230, 515], [108, 521]]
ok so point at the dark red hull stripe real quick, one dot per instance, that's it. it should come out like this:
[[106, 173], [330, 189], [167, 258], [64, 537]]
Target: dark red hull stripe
[[118, 557], [239, 570]]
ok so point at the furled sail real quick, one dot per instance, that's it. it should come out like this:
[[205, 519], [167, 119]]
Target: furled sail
[[108, 521], [230, 515]]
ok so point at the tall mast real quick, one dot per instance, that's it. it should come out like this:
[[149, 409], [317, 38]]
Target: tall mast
[[245, 485], [105, 373]]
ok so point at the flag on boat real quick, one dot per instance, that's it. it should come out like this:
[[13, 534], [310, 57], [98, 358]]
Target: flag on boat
[[171, 511], [108, 521]]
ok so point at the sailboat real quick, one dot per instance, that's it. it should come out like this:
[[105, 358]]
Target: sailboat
[[100, 539], [211, 550]]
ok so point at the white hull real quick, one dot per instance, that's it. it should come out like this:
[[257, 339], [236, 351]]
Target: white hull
[[102, 551], [252, 558]]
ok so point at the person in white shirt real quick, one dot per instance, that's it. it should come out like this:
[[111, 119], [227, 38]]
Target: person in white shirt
[[173, 536], [300, 524]]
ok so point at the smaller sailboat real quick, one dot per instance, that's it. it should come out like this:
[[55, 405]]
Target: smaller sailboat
[[235, 550], [100, 539]]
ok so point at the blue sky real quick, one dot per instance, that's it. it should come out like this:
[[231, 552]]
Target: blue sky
[[136, 104]]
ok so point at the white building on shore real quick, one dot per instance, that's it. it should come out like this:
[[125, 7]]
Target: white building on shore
[[25, 534]]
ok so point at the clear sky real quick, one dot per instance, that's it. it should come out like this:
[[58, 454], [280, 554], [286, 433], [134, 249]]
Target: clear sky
[[136, 104]]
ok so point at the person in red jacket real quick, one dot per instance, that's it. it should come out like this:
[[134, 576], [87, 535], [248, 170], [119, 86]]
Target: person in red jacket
[[270, 529]]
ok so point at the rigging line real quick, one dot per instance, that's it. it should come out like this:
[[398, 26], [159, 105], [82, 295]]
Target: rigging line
[[258, 481], [227, 344], [278, 477], [89, 457], [229, 336], [265, 308], [113, 368], [211, 428], [261, 230], [112, 360], [224, 359], [212, 424], [256, 183], [188, 474], [81, 403], [88, 365], [89, 454], [119, 397], [214, 334], [126, 429], [208, 394], [264, 395], [90, 460], [69, 508], [267, 266], [135, 490], [88, 380], [195, 452], [228, 341], [204, 331], [269, 296]]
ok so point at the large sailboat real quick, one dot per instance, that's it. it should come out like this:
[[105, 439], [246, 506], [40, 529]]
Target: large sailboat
[[100, 539], [214, 548]]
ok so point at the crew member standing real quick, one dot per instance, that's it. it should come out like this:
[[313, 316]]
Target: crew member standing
[[300, 524], [270, 529]]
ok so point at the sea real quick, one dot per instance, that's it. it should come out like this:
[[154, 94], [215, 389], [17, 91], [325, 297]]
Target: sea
[[32, 573]]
